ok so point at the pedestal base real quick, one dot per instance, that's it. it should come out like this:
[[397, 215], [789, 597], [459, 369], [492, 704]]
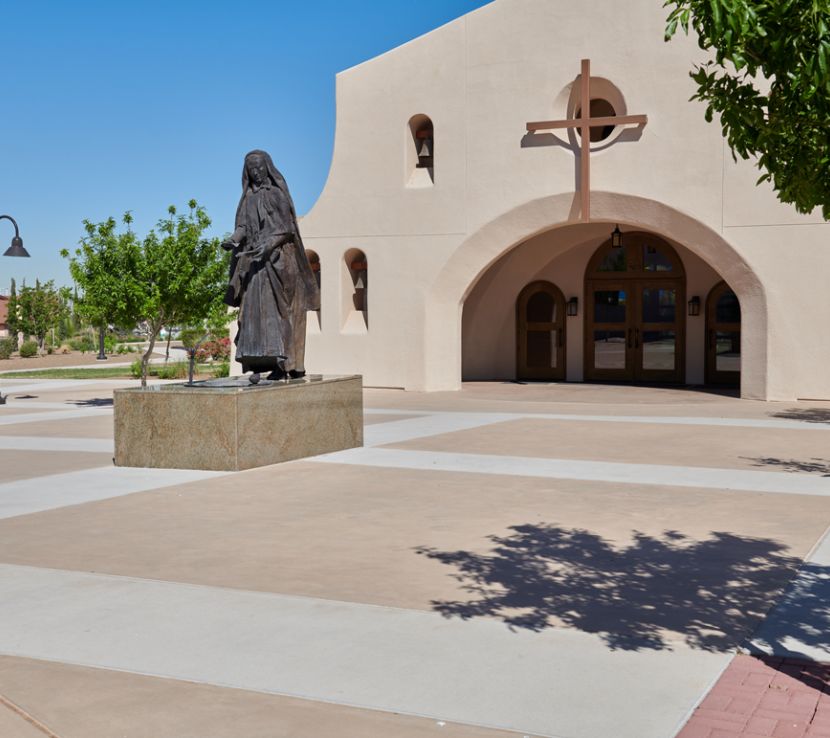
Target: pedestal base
[[230, 424]]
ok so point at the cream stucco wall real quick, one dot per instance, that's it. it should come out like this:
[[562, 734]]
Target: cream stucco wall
[[480, 79]]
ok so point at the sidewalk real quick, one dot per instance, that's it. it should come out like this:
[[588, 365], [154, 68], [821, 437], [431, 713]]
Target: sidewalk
[[506, 559]]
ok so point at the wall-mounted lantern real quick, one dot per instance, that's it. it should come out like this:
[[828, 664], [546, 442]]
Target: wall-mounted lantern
[[616, 237], [694, 306], [16, 249], [573, 307]]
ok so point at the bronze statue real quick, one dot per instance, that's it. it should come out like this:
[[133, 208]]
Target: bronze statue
[[271, 281]]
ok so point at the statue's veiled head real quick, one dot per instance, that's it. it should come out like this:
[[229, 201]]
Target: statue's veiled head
[[258, 170]]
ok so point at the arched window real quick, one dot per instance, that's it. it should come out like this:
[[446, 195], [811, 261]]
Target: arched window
[[355, 292], [314, 263], [420, 157]]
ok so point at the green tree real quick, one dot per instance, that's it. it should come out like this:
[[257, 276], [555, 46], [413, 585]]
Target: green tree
[[770, 85], [13, 318], [106, 267], [174, 276], [41, 308]]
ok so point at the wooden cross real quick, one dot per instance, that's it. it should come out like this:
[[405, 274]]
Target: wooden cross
[[585, 123]]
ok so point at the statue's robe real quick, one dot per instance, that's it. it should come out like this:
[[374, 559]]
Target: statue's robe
[[274, 291]]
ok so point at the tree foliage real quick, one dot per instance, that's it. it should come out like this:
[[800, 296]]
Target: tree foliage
[[174, 276], [769, 82], [106, 268], [39, 309]]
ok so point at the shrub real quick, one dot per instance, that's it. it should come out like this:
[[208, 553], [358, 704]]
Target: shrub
[[28, 349], [221, 370], [82, 344], [173, 370], [7, 346], [135, 369], [109, 344], [219, 350]]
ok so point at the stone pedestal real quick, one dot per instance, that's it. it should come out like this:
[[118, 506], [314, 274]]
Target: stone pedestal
[[230, 424]]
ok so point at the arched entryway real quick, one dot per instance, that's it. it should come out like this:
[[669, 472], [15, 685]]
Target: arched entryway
[[723, 336], [471, 264], [540, 332], [635, 323]]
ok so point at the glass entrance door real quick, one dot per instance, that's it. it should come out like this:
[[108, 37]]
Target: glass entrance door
[[635, 325]]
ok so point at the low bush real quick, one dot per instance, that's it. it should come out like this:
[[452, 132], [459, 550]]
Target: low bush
[[7, 347], [82, 344], [221, 370], [28, 349], [173, 370], [135, 369], [219, 350]]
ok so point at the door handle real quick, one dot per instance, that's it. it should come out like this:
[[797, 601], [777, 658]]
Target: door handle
[[636, 338]]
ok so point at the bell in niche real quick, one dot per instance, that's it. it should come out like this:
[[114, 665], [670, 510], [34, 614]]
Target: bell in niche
[[425, 152]]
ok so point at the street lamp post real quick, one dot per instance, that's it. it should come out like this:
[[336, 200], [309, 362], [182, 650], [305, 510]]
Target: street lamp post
[[16, 249]]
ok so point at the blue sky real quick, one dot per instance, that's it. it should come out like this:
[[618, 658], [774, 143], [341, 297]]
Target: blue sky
[[114, 106]]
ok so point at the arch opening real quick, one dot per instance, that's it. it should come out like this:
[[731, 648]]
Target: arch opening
[[542, 227]]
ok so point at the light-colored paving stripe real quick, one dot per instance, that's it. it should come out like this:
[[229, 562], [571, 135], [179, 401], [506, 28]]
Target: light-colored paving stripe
[[38, 405], [26, 496], [486, 418], [36, 443], [46, 385], [553, 683], [799, 624], [398, 431], [69, 414], [594, 471]]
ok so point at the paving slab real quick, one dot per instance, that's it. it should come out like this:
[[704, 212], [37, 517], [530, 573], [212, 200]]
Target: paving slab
[[64, 424], [28, 464], [35, 494], [805, 450], [477, 672], [83, 702], [417, 540]]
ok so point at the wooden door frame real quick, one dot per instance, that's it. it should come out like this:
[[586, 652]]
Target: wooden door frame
[[633, 280], [522, 327], [711, 374]]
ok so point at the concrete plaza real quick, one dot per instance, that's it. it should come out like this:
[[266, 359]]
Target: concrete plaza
[[574, 561]]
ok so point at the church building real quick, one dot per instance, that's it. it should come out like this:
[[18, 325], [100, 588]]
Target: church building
[[527, 193]]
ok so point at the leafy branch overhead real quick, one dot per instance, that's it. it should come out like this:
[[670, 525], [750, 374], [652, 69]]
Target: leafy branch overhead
[[770, 85]]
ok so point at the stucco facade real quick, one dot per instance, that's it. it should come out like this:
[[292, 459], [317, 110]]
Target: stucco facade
[[446, 255]]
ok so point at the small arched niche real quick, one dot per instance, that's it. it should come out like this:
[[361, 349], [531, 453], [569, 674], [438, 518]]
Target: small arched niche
[[420, 152], [314, 321], [355, 291]]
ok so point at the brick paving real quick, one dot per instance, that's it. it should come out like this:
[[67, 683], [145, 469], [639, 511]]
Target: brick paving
[[759, 697]]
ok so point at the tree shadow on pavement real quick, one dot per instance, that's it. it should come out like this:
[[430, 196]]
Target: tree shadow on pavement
[[94, 402], [806, 414], [808, 466], [710, 594]]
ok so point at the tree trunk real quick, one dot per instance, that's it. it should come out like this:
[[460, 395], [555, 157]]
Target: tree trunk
[[145, 360], [169, 336]]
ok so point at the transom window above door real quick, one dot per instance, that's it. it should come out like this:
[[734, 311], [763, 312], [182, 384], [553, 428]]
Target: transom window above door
[[641, 255]]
